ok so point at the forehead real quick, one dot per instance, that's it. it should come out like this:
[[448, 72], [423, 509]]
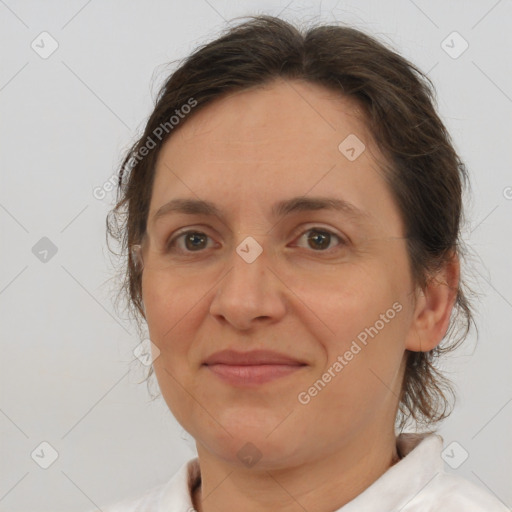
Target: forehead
[[266, 144], [270, 120]]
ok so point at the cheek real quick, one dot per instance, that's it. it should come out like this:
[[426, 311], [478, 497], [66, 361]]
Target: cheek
[[361, 380], [364, 317], [175, 313], [169, 306], [169, 316], [350, 298], [167, 299]]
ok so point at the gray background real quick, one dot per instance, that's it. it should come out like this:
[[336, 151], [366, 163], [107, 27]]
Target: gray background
[[68, 374]]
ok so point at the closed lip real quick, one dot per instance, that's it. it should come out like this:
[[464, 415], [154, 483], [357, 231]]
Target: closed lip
[[251, 358]]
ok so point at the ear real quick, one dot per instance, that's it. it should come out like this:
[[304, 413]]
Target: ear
[[433, 308]]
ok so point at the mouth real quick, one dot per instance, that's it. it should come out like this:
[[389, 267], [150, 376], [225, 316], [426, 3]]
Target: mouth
[[252, 374], [251, 368]]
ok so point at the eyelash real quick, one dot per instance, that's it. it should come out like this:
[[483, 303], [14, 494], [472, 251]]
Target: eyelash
[[170, 246]]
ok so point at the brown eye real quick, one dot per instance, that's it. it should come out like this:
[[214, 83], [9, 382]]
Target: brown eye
[[321, 239], [193, 241]]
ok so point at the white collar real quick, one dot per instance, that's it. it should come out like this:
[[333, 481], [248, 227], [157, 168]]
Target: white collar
[[421, 462], [402, 482]]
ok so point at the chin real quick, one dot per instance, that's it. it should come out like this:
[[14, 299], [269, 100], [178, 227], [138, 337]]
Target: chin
[[259, 447]]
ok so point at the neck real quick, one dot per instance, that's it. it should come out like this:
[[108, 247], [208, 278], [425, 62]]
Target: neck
[[326, 483]]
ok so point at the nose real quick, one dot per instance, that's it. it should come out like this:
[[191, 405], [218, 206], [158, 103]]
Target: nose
[[250, 293]]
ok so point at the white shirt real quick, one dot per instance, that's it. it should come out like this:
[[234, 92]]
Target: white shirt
[[416, 483]]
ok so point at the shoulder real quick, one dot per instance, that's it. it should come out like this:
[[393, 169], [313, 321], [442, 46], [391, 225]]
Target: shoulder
[[450, 492], [422, 483]]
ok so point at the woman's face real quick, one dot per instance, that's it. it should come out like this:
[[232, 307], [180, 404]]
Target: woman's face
[[330, 289]]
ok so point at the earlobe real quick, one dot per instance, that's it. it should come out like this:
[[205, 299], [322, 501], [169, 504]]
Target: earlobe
[[433, 308]]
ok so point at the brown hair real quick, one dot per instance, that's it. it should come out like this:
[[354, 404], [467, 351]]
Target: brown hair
[[422, 168]]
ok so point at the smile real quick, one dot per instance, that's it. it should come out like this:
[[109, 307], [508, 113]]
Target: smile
[[250, 375]]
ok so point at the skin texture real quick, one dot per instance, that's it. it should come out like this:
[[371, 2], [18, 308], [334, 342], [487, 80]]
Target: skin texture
[[245, 152]]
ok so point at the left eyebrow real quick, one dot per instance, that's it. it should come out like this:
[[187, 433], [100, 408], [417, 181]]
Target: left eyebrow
[[280, 209], [304, 204]]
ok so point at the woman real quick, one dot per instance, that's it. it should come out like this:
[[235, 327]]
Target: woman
[[292, 214]]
